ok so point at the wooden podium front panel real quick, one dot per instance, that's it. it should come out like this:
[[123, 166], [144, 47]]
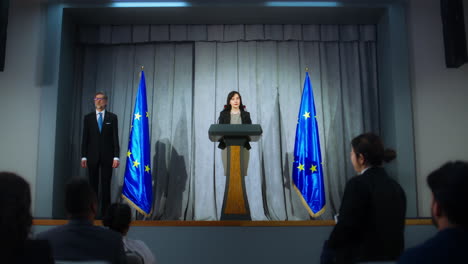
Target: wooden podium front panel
[[235, 203]]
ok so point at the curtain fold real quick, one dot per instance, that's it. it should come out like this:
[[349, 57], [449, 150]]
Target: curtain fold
[[190, 69], [204, 154], [133, 34]]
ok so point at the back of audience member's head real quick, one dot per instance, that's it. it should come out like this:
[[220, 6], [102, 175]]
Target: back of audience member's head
[[15, 208], [118, 218], [449, 186], [80, 199], [371, 147]]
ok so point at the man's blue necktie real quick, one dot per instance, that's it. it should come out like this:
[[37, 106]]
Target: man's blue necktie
[[100, 122]]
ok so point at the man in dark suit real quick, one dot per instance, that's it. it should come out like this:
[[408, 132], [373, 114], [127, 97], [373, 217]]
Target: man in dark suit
[[79, 239], [449, 185], [100, 148]]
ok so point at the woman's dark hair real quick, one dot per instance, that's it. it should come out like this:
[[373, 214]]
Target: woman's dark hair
[[227, 106], [372, 149], [118, 217], [15, 207]]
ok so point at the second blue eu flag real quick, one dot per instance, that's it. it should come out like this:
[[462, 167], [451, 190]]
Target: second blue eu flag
[[307, 165], [137, 187]]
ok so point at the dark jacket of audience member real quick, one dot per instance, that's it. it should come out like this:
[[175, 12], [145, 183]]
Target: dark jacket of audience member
[[15, 224], [371, 218], [449, 187], [80, 240]]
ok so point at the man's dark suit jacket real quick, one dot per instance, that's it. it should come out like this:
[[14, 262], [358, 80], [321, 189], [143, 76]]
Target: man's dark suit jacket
[[448, 246], [371, 220], [225, 118], [80, 240], [100, 147]]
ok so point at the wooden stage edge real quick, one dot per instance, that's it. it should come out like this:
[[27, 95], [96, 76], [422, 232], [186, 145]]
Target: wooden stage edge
[[51, 222]]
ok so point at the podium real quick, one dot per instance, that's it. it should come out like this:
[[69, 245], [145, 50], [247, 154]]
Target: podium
[[235, 203]]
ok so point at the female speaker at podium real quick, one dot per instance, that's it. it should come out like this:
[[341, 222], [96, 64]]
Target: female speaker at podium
[[234, 113]]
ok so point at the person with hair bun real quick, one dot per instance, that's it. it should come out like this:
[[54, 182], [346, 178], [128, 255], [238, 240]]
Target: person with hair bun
[[371, 220], [118, 218]]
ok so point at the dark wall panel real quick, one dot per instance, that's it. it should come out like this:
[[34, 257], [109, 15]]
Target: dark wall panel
[[4, 4]]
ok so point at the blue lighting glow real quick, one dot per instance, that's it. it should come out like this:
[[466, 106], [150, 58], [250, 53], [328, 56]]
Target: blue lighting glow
[[302, 4], [150, 4]]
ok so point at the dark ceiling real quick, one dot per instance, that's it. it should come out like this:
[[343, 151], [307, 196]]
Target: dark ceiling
[[225, 15]]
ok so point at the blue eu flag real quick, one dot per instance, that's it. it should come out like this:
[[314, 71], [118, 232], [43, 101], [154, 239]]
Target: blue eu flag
[[137, 187], [307, 165]]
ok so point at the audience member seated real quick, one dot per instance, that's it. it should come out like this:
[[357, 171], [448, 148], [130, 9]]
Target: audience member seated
[[371, 218], [118, 218], [15, 224], [80, 240], [449, 187]]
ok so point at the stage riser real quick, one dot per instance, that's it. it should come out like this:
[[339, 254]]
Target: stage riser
[[243, 244]]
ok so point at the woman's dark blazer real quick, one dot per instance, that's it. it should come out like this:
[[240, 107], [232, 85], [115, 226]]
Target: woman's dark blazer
[[371, 221], [225, 118]]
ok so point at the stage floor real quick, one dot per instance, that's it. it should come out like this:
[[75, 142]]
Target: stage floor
[[55, 222]]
